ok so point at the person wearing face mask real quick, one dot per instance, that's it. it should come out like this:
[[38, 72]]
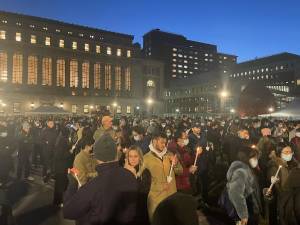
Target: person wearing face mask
[[159, 162], [85, 161], [195, 137], [140, 139], [62, 161], [179, 147], [242, 187], [296, 144]]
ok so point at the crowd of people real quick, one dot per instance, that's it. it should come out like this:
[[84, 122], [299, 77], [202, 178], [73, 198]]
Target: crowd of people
[[131, 170]]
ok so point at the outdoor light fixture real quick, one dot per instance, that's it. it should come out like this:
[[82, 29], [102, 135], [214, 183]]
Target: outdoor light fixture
[[91, 107], [32, 105], [224, 94], [137, 107], [115, 104], [3, 104], [232, 110], [149, 101], [271, 109], [177, 110], [61, 105]]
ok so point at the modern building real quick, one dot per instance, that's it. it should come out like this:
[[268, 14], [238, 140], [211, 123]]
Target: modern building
[[280, 73], [77, 68], [184, 58]]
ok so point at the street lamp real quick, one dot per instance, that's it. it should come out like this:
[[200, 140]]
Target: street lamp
[[32, 105], [224, 94], [271, 109], [61, 105], [3, 104], [115, 104], [137, 107], [149, 101], [177, 110], [232, 110], [91, 107]]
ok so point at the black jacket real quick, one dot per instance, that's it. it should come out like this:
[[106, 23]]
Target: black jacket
[[62, 156], [109, 199], [48, 138]]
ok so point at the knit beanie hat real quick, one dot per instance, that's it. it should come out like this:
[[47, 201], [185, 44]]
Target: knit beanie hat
[[105, 148]]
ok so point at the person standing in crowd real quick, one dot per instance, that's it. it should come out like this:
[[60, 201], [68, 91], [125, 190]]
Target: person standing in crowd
[[140, 139], [134, 163], [86, 134], [159, 162], [179, 147], [195, 137], [105, 128], [296, 144], [48, 139], [85, 162], [242, 186], [25, 147], [110, 198], [62, 161]]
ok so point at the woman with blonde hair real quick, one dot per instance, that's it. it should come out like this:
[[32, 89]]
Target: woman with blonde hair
[[134, 163]]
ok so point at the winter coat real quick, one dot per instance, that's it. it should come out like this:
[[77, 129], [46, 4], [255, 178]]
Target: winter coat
[[109, 199], [48, 138], [25, 143], [186, 160], [195, 141], [241, 186], [86, 164], [289, 204], [62, 155], [296, 147], [100, 131], [159, 170], [143, 144]]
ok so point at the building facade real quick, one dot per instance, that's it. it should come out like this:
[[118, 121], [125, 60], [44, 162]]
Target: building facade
[[77, 68], [280, 73], [184, 58]]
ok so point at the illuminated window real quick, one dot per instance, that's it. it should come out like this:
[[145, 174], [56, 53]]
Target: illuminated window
[[60, 73], [118, 78], [74, 108], [85, 75], [97, 76], [98, 49], [127, 79], [150, 83], [174, 60], [74, 45], [17, 69], [16, 107], [119, 109], [86, 109], [3, 66], [86, 47], [73, 73], [47, 41], [128, 109], [108, 50], [18, 37], [61, 43], [107, 75], [2, 34], [174, 49], [32, 70], [33, 39], [45, 28], [128, 53], [174, 54], [47, 71], [119, 52]]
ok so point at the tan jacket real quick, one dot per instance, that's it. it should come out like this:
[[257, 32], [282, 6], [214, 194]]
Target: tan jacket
[[86, 164], [159, 170], [100, 131]]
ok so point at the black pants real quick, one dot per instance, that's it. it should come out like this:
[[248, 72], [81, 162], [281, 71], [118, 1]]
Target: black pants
[[37, 154], [202, 185], [47, 162], [61, 183], [23, 163]]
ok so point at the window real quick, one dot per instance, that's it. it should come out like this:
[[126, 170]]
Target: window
[[33, 39], [108, 50], [74, 45], [85, 75], [98, 49], [17, 69], [32, 70], [119, 109], [3, 66], [127, 79], [74, 108], [86, 47], [74, 73], [16, 107], [86, 109], [47, 41], [128, 53], [2, 34], [18, 37], [150, 83], [47, 71], [107, 83], [118, 78], [97, 76], [61, 43], [60, 72], [119, 52], [174, 49], [128, 109]]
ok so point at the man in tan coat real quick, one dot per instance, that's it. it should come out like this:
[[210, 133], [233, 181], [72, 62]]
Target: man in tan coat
[[106, 127], [159, 161]]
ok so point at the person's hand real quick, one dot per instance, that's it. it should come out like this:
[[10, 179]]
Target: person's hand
[[124, 150], [199, 150], [74, 171], [244, 221], [193, 169], [274, 180], [174, 159]]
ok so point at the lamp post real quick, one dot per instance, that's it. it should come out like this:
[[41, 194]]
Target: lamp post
[[114, 104], [271, 110], [150, 102], [223, 95]]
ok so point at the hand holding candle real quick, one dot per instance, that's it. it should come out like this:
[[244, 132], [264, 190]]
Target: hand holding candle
[[174, 161], [198, 152], [274, 180], [75, 172]]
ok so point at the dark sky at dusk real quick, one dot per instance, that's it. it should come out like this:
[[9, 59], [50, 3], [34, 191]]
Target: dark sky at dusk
[[246, 28]]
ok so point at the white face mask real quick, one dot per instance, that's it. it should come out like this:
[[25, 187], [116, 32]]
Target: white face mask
[[3, 134], [253, 162], [137, 137], [297, 134], [287, 157], [169, 134], [163, 125], [186, 142]]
